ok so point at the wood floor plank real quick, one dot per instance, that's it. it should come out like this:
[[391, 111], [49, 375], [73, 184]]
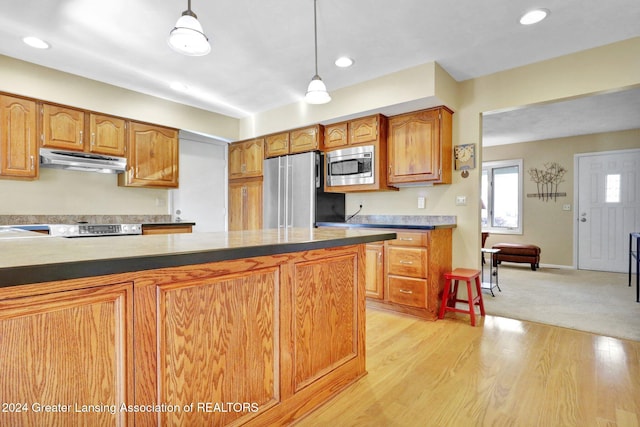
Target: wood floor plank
[[503, 372]]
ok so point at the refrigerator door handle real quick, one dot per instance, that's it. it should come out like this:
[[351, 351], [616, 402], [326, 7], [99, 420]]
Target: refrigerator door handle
[[289, 193]]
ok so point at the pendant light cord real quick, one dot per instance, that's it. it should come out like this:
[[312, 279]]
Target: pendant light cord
[[315, 32]]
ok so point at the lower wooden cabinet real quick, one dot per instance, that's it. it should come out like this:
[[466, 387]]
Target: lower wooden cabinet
[[375, 271], [167, 229], [245, 204], [65, 351], [257, 341], [412, 267]]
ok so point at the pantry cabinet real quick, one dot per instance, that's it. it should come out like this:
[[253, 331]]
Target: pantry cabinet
[[62, 127], [420, 147], [107, 135], [152, 157], [245, 158], [18, 138], [374, 271], [245, 204]]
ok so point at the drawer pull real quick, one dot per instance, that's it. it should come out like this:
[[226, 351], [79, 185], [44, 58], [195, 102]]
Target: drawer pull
[[408, 239], [405, 291], [406, 262]]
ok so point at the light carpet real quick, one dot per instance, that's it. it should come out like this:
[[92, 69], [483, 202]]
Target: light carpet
[[590, 301]]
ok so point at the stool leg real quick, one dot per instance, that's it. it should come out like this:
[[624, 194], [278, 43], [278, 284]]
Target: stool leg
[[480, 300], [445, 298], [453, 296], [472, 311]]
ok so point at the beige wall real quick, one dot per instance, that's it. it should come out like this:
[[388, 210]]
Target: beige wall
[[597, 70], [544, 222]]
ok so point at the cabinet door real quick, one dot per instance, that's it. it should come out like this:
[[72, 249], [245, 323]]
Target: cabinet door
[[107, 135], [277, 145], [18, 137], [236, 205], [62, 127], [152, 157], [364, 130], [374, 271], [71, 349], [414, 147], [307, 139], [253, 157], [253, 205], [335, 135], [235, 160]]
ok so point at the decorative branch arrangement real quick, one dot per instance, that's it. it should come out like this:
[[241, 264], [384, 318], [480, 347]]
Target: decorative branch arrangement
[[547, 181]]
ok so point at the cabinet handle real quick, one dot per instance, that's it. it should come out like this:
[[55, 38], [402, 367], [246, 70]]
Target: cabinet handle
[[93, 139], [33, 165], [406, 262], [379, 256], [390, 170], [80, 137], [406, 239], [405, 291]]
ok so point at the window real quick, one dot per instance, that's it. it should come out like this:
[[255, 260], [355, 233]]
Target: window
[[502, 196]]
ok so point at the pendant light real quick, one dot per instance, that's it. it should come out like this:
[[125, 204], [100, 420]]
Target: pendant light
[[317, 91], [187, 37]]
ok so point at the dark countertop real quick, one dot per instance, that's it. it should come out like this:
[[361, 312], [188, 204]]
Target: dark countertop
[[406, 222], [351, 225], [49, 258]]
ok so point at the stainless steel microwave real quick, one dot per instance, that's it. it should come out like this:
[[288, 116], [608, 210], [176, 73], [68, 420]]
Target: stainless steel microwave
[[351, 166]]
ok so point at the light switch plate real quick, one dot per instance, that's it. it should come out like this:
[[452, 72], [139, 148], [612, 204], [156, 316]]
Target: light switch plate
[[566, 207], [421, 202], [461, 200]]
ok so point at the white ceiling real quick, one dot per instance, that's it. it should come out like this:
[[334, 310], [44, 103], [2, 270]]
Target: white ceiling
[[262, 50]]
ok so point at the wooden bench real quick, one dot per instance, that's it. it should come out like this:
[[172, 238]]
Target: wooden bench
[[517, 252]]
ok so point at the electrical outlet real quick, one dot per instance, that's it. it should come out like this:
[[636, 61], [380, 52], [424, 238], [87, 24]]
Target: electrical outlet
[[461, 200]]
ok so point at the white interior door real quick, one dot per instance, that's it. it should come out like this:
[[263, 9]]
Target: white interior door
[[202, 195], [608, 208]]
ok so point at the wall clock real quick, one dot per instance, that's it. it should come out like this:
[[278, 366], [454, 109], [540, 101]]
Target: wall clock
[[465, 156]]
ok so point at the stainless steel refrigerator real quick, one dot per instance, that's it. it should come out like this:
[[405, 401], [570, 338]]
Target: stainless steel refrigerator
[[293, 192]]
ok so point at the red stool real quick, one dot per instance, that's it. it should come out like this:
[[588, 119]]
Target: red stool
[[450, 298]]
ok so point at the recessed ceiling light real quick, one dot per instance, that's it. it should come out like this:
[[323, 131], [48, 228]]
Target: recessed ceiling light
[[534, 16], [344, 62], [36, 42], [179, 87]]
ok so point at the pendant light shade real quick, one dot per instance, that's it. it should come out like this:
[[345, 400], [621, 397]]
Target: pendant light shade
[[317, 91], [188, 37]]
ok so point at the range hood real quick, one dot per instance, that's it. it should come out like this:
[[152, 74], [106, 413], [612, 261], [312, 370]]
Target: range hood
[[78, 161]]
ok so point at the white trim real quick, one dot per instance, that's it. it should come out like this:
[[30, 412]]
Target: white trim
[[576, 188], [505, 163]]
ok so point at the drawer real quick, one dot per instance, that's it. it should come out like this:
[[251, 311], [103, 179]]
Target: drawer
[[407, 261], [408, 291], [410, 238]]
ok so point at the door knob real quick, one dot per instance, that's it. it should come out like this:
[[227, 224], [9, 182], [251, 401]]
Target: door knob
[[583, 219]]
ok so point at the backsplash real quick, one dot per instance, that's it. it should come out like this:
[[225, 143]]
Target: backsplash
[[90, 219], [403, 219]]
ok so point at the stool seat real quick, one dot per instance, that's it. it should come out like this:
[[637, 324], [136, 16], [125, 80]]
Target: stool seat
[[450, 296]]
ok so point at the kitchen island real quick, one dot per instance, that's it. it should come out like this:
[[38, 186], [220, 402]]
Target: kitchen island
[[254, 328]]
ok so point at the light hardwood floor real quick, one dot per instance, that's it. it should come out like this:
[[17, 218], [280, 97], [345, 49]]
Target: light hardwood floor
[[503, 372]]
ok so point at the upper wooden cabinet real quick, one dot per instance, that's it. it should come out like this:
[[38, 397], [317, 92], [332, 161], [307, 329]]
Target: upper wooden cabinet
[[365, 130], [107, 135], [152, 157], [62, 127], [335, 135], [420, 147], [306, 139], [18, 137], [245, 158], [370, 131], [295, 141]]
